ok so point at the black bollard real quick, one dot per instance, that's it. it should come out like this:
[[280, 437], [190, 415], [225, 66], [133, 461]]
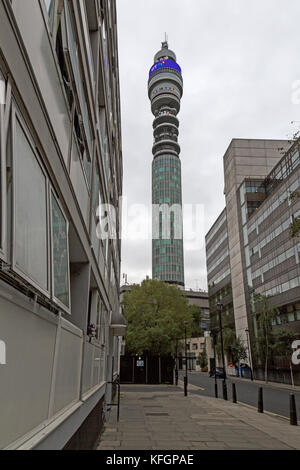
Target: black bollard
[[234, 400], [216, 390], [260, 407], [176, 377], [185, 385], [293, 411], [224, 390]]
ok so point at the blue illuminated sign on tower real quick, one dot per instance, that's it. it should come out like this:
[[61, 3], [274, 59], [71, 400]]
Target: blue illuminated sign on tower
[[165, 63]]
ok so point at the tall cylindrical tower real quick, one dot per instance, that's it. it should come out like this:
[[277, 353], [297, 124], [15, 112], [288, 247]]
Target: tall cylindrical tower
[[165, 87]]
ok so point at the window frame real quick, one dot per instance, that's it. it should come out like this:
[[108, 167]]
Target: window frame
[[16, 115], [65, 308], [3, 188]]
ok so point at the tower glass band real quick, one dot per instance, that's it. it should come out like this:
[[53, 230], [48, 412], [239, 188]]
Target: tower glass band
[[165, 89]]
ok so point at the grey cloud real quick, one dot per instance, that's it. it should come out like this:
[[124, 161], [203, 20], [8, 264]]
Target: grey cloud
[[239, 60]]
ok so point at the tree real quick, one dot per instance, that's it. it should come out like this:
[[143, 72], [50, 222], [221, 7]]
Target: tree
[[203, 359], [196, 330], [295, 224], [232, 345], [283, 339], [238, 350], [265, 341], [155, 312]]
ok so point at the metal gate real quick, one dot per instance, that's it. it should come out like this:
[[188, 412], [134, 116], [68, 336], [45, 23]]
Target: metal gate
[[146, 369]]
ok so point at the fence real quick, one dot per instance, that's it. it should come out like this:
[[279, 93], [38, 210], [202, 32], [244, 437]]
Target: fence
[[146, 369]]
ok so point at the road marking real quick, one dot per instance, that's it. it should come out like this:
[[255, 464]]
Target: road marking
[[265, 411], [192, 385]]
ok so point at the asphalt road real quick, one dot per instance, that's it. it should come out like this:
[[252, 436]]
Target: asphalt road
[[276, 400]]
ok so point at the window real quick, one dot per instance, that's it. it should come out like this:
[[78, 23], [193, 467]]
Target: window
[[50, 7], [82, 147], [60, 255], [96, 315], [2, 163], [55, 12], [30, 255]]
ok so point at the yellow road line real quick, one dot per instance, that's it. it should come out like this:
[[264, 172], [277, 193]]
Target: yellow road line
[[192, 385], [265, 411]]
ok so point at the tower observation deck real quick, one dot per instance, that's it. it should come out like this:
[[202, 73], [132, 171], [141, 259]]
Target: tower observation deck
[[165, 89]]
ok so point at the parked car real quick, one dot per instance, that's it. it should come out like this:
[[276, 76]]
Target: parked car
[[219, 372]]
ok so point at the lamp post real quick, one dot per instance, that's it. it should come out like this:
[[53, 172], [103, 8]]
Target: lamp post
[[249, 352], [186, 366], [214, 334], [220, 309]]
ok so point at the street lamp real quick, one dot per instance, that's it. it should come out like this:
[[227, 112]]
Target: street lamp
[[220, 309], [249, 352], [214, 336], [186, 366]]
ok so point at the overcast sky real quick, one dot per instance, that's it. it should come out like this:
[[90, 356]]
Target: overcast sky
[[239, 59]]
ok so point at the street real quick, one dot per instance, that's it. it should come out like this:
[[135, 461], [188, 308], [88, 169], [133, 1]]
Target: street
[[276, 400]]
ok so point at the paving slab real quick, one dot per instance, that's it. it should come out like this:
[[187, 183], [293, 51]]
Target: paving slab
[[195, 422]]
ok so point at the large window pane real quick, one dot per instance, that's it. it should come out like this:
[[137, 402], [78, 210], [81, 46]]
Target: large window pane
[[60, 254], [31, 255]]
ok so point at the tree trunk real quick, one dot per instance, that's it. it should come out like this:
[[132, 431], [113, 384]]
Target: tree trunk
[[267, 353]]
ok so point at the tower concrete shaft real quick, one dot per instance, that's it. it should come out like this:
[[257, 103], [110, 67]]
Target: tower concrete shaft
[[165, 89]]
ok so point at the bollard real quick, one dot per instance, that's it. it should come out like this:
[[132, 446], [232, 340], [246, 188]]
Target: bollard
[[185, 385], [224, 390], [260, 407], [293, 411], [216, 390], [176, 377], [234, 400]]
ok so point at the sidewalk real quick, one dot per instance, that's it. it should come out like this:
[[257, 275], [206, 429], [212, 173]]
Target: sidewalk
[[159, 417]]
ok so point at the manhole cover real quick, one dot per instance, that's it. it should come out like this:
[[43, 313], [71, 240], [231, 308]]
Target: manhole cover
[[157, 414]]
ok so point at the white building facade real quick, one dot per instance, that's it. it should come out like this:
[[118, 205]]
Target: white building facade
[[61, 154]]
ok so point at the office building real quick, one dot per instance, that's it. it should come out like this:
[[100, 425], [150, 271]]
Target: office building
[[257, 254]]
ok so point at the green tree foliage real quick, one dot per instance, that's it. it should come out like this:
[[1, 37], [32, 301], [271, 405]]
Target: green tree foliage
[[238, 351], [155, 312], [233, 346], [203, 359], [295, 224], [282, 343], [264, 346], [283, 339], [295, 227], [196, 330]]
